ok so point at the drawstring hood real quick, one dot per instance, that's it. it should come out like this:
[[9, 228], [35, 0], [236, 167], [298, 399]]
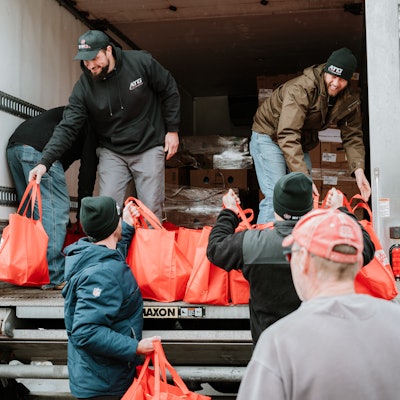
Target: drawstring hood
[[121, 106], [119, 91], [108, 98], [107, 78]]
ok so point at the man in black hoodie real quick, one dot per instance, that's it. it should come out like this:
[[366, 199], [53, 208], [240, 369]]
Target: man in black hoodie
[[24, 150], [133, 104]]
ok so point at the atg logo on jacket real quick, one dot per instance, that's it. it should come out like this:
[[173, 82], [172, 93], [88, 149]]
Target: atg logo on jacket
[[135, 84], [335, 70]]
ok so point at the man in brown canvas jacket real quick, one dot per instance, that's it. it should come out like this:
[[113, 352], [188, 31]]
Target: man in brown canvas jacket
[[286, 125]]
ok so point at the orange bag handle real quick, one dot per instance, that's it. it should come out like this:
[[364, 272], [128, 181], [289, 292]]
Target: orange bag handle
[[161, 365], [245, 219], [346, 202], [30, 196], [146, 215], [315, 201], [361, 204], [131, 393]]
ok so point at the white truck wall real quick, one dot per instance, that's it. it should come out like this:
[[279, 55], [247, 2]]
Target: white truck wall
[[383, 56], [38, 46]]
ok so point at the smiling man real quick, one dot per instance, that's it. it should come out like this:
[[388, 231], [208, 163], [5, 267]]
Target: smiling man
[[133, 104], [286, 125]]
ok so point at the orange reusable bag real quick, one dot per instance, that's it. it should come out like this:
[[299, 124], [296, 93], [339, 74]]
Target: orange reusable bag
[[156, 260], [187, 239], [23, 247], [208, 284], [152, 382], [239, 287], [74, 233], [375, 278]]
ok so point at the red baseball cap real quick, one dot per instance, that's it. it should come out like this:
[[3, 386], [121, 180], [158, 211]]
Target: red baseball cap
[[319, 231]]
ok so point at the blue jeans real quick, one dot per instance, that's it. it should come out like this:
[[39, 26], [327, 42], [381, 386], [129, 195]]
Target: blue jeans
[[270, 166], [55, 202]]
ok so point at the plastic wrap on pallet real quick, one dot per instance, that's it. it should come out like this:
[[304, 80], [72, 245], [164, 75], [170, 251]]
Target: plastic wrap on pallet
[[182, 159], [232, 160], [331, 176], [215, 144], [192, 207]]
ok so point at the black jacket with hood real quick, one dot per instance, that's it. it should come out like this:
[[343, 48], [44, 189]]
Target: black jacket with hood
[[130, 110], [37, 131], [259, 255]]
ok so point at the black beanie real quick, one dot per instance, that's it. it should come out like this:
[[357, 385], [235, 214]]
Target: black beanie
[[341, 63], [293, 196], [99, 217]]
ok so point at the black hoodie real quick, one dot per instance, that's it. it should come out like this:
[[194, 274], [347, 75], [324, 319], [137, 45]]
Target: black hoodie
[[130, 110]]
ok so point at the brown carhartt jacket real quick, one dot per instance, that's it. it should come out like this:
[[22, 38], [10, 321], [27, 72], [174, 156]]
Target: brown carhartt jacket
[[298, 109]]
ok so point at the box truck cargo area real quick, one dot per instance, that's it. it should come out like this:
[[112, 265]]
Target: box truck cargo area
[[226, 58]]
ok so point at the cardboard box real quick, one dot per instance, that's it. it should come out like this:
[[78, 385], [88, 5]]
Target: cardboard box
[[273, 81], [192, 220], [177, 176], [330, 135], [349, 189], [332, 176], [326, 179], [315, 156], [219, 178], [264, 94], [333, 156]]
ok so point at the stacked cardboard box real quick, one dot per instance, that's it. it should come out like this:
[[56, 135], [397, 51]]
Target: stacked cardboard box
[[330, 167], [220, 178], [266, 84], [177, 176], [222, 162]]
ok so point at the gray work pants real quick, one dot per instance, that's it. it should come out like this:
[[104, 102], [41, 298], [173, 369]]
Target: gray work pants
[[147, 169]]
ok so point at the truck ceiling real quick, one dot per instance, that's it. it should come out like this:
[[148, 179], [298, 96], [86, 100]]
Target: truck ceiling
[[218, 47]]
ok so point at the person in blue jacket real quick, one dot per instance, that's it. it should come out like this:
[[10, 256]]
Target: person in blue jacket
[[103, 309], [133, 104]]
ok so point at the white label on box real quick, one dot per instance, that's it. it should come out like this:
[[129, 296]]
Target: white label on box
[[330, 180], [330, 135], [329, 157]]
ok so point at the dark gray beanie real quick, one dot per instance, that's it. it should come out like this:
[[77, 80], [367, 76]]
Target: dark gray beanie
[[341, 63], [99, 217], [293, 196]]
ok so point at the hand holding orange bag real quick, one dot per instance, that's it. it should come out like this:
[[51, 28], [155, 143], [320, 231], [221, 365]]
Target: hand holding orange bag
[[152, 382], [158, 263], [23, 248]]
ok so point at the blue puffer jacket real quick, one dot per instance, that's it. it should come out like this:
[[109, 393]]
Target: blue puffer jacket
[[103, 318]]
